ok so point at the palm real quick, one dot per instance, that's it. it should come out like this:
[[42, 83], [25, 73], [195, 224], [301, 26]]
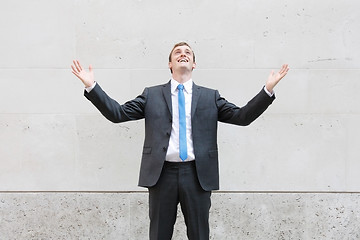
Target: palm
[[87, 77]]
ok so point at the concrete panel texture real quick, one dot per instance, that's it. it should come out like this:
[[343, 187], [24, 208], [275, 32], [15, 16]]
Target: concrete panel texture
[[292, 174], [233, 216]]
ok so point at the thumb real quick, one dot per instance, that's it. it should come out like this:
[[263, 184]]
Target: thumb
[[271, 74], [90, 68]]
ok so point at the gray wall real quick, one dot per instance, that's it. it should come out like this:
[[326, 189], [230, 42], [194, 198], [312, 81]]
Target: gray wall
[[54, 142]]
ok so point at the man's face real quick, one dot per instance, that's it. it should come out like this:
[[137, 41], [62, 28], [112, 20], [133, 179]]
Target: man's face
[[182, 59]]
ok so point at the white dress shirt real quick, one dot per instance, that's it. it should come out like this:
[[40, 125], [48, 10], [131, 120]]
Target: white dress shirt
[[172, 154]]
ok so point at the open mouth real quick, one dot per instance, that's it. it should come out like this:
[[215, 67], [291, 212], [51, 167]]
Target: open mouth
[[183, 60]]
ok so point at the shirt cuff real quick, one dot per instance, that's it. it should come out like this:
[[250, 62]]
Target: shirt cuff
[[88, 89], [269, 93]]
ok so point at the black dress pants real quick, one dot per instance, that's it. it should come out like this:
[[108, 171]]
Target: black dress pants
[[178, 183]]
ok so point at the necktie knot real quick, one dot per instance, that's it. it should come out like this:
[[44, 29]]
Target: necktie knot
[[180, 87]]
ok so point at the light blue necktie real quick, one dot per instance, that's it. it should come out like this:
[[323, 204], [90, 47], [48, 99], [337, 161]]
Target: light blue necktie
[[182, 123]]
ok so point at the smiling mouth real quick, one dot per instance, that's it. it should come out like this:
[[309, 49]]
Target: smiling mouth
[[183, 60]]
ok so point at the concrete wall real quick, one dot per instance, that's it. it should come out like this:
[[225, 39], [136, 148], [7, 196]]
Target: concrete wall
[[55, 146], [233, 216]]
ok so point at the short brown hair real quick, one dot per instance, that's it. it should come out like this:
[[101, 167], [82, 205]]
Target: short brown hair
[[181, 44]]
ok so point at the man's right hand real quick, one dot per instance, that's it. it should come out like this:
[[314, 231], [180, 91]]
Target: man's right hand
[[86, 77]]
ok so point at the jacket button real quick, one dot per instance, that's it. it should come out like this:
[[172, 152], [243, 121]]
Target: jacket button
[[168, 134], [170, 120], [164, 148]]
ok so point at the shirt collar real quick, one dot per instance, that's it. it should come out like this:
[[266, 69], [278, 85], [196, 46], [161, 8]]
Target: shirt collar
[[187, 85]]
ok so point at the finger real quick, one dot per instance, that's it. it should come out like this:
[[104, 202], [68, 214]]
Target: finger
[[284, 69], [76, 66], [90, 68], [76, 74], [73, 68], [80, 67], [284, 73], [271, 73]]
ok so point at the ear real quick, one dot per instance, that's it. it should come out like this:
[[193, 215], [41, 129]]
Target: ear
[[170, 65], [194, 66]]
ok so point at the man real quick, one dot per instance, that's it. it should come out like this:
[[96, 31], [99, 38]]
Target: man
[[180, 155]]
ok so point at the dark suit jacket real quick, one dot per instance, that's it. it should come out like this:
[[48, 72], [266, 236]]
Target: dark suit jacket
[[154, 104]]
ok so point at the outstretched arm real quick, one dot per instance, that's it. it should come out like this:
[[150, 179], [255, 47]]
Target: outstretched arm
[[274, 78], [86, 77], [111, 109]]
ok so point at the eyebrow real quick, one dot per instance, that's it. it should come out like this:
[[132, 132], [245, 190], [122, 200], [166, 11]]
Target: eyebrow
[[178, 49]]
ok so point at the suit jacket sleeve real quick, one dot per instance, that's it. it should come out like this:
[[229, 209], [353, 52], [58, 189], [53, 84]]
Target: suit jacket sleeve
[[230, 113], [112, 110]]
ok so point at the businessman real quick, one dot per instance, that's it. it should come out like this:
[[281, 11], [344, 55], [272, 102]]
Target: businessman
[[180, 153]]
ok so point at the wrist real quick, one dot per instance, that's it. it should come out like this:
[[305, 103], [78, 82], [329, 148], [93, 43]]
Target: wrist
[[270, 93], [89, 88]]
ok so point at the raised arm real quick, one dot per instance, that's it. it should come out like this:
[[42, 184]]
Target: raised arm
[[86, 77]]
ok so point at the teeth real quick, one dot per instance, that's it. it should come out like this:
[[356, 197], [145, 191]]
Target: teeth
[[182, 60]]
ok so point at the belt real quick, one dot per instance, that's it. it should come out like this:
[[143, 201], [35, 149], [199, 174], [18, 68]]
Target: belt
[[179, 164]]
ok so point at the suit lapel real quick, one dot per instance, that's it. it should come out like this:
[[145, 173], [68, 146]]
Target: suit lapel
[[194, 101], [167, 95], [195, 98]]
